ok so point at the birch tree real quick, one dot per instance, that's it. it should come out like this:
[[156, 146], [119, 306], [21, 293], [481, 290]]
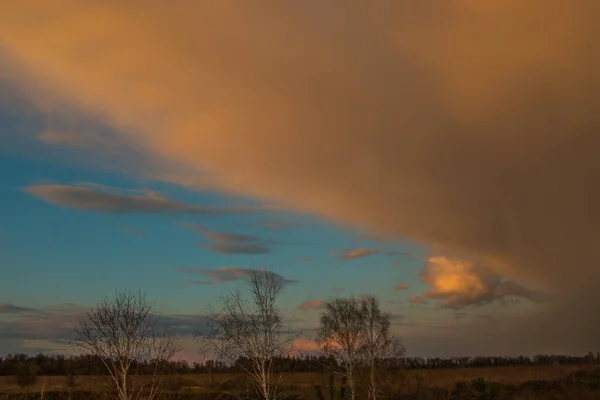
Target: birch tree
[[380, 347], [356, 332], [342, 336], [253, 329], [123, 332]]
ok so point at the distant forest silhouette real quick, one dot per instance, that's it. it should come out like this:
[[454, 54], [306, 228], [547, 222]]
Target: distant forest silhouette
[[92, 365]]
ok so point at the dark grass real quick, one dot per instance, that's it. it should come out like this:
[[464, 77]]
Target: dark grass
[[498, 383]]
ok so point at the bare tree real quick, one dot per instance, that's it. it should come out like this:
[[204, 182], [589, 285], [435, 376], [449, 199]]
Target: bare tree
[[254, 330], [380, 347], [356, 332], [123, 332], [342, 336]]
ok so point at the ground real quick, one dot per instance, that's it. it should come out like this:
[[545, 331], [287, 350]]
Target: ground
[[303, 384]]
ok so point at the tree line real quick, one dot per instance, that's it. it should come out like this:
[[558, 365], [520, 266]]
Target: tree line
[[60, 365]]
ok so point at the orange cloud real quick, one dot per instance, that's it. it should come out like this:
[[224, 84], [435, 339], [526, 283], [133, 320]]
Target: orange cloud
[[303, 346], [470, 126], [458, 279], [312, 305], [459, 283]]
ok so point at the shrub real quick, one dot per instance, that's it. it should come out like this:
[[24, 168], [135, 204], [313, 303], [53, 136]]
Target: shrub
[[479, 384]]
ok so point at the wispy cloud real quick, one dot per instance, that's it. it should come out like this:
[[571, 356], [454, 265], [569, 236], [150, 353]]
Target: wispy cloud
[[76, 139], [397, 253], [460, 283], [185, 324], [228, 274], [277, 224], [52, 323], [133, 231], [306, 259], [312, 305], [9, 308], [235, 248], [230, 243], [402, 286], [376, 238], [351, 254], [51, 327], [221, 236], [144, 202]]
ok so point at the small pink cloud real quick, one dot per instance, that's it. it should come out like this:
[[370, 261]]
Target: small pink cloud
[[402, 286], [302, 346], [414, 299], [312, 305]]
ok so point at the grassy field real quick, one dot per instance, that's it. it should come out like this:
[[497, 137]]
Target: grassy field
[[303, 384]]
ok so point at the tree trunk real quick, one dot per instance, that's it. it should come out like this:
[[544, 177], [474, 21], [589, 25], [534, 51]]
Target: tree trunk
[[351, 382], [372, 383]]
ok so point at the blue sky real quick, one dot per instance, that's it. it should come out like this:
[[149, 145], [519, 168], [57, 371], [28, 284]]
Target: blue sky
[[54, 254], [81, 255], [73, 247]]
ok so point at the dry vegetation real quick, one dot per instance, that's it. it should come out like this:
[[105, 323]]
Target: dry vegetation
[[536, 382]]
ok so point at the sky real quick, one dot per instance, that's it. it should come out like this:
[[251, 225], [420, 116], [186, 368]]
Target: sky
[[441, 156]]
